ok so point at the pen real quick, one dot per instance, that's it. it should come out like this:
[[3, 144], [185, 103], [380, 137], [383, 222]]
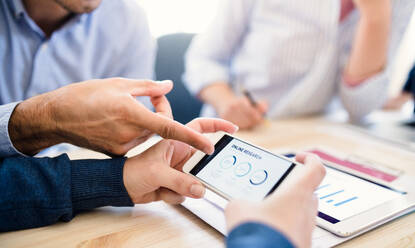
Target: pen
[[254, 103], [249, 96]]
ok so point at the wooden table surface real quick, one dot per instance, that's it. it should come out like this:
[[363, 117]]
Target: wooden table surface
[[161, 225]]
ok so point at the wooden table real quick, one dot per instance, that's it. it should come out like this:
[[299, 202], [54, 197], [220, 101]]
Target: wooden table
[[162, 225]]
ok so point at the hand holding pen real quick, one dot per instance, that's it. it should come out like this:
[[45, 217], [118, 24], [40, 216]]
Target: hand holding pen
[[241, 109]]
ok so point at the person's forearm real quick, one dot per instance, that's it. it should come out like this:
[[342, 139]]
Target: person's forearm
[[370, 47], [41, 191], [215, 93], [31, 126]]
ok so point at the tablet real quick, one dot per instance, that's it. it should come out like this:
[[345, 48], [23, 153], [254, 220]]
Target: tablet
[[349, 204]]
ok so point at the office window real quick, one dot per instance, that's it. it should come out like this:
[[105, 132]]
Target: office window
[[171, 16]]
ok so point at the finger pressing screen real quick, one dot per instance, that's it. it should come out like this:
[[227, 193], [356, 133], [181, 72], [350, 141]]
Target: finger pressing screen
[[170, 129]]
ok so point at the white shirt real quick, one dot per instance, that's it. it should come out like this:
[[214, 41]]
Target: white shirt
[[289, 53]]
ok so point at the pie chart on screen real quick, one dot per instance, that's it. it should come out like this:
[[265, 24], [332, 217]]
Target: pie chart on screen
[[242, 169], [258, 177], [228, 162]]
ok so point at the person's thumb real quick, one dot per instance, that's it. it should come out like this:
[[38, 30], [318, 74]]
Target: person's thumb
[[170, 178], [303, 178], [313, 172]]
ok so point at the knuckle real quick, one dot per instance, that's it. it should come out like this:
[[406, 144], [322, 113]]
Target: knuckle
[[124, 137], [118, 81], [179, 181], [256, 118], [167, 131], [321, 170]]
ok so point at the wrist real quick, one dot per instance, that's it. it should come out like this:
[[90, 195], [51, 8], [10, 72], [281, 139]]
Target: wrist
[[218, 95], [98, 183], [31, 127]]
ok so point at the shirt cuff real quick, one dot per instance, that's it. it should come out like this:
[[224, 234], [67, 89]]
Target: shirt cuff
[[98, 183], [362, 99], [254, 234], [6, 146], [199, 75]]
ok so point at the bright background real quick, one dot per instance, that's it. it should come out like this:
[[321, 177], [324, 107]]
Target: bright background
[[193, 16], [171, 16]]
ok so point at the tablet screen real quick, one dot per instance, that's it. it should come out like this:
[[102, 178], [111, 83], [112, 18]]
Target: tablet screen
[[342, 195], [242, 171]]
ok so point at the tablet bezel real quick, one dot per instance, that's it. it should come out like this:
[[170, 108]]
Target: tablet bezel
[[368, 218]]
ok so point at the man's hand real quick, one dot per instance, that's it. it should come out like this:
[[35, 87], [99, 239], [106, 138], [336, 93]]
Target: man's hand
[[240, 111], [291, 209], [156, 174], [237, 109], [101, 115]]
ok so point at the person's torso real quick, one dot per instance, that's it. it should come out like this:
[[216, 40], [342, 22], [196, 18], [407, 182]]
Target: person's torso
[[86, 47], [290, 54]]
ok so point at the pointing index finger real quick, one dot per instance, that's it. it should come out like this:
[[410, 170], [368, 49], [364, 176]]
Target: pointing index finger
[[171, 129]]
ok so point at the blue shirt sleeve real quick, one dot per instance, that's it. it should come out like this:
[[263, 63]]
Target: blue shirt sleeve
[[6, 146], [252, 234], [41, 191]]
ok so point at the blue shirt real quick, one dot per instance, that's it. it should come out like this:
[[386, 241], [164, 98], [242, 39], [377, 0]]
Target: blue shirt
[[112, 41], [258, 235]]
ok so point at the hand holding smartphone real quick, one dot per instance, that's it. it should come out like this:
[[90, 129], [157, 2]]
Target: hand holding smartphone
[[239, 170]]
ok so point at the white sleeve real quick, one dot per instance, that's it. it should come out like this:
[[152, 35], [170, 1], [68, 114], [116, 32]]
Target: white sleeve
[[209, 56], [371, 94], [6, 145]]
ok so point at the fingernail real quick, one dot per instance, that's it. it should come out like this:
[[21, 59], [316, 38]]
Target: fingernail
[[197, 190], [236, 128], [164, 82], [209, 150]]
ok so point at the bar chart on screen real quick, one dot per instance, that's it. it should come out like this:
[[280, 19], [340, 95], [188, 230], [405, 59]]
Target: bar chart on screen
[[342, 195]]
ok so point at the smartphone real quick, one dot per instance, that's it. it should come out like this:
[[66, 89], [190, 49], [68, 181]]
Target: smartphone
[[238, 169]]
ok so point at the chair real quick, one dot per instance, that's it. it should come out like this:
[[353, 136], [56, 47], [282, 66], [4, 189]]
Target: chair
[[170, 65]]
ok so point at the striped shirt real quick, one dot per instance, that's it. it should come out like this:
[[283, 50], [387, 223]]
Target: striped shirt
[[291, 54]]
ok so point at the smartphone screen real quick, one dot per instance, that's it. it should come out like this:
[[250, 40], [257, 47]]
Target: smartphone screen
[[242, 171]]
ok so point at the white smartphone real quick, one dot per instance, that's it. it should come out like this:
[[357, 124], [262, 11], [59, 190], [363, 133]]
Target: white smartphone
[[238, 169]]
